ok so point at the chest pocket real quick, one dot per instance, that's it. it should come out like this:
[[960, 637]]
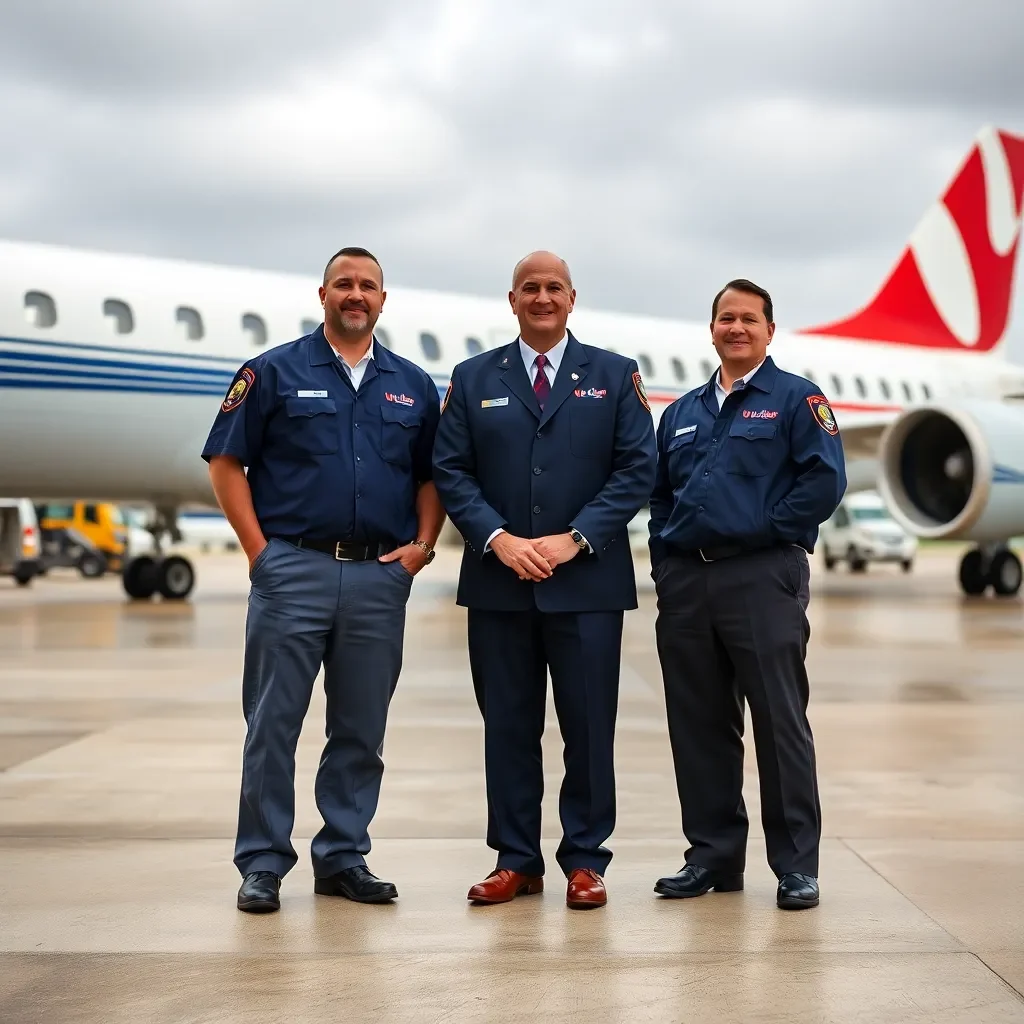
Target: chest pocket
[[312, 425], [591, 427], [680, 452], [752, 451], [399, 430]]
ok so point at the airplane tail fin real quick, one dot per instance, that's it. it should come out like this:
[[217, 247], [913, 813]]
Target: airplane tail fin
[[953, 284]]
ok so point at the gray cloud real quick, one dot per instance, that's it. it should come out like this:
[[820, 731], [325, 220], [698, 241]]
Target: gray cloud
[[662, 148]]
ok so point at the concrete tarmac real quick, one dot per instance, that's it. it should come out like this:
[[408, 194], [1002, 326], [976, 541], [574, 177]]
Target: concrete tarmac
[[120, 741]]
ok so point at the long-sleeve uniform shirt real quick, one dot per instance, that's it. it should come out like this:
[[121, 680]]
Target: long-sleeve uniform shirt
[[766, 468]]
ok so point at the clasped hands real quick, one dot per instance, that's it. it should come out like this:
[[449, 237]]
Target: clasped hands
[[534, 558]]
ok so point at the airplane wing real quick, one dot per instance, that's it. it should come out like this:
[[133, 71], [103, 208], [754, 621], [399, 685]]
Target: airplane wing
[[862, 431]]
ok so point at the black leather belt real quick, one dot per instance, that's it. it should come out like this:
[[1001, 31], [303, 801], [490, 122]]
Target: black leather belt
[[342, 550], [714, 554]]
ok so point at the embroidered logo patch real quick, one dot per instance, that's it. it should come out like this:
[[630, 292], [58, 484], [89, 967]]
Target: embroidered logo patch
[[759, 414], [237, 392], [447, 395], [590, 392], [823, 414], [641, 391], [399, 399]]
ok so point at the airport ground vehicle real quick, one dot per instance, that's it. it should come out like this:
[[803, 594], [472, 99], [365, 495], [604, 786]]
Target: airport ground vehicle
[[89, 535], [862, 531], [19, 540]]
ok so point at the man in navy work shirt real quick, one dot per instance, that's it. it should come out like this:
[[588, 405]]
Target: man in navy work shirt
[[749, 465], [544, 454], [336, 514]]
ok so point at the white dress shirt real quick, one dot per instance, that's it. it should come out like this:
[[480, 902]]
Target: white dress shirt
[[554, 360], [721, 393], [356, 373]]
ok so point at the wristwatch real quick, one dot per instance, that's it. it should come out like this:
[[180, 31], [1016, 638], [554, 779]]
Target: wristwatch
[[426, 549], [581, 541]]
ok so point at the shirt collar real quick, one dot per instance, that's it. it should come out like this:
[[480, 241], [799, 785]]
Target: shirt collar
[[362, 362], [745, 379], [553, 356]]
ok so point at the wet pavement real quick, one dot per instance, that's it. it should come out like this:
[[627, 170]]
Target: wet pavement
[[120, 739]]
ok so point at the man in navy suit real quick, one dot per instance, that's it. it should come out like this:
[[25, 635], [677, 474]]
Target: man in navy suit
[[545, 452]]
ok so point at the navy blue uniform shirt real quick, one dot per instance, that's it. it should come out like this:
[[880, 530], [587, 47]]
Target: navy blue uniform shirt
[[767, 468], [324, 461]]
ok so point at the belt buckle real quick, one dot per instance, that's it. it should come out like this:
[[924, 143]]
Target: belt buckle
[[338, 556]]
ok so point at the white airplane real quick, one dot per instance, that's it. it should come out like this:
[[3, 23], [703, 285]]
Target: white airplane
[[112, 369]]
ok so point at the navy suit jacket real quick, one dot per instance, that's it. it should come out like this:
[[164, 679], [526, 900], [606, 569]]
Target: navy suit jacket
[[587, 462]]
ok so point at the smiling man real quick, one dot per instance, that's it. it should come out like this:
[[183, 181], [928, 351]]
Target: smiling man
[[749, 465], [544, 454], [320, 459]]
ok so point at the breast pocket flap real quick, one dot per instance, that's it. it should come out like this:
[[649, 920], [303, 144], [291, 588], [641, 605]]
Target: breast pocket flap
[[309, 406], [753, 431], [680, 439]]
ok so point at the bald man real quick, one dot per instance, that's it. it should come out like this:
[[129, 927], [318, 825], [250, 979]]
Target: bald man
[[544, 453]]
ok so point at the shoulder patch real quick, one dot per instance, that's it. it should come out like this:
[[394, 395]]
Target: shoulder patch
[[237, 392], [641, 391], [447, 395], [823, 414]]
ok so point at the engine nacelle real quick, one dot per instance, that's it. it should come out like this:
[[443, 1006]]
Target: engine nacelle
[[956, 472]]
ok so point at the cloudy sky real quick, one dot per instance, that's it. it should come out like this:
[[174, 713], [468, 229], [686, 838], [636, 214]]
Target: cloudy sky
[[661, 146]]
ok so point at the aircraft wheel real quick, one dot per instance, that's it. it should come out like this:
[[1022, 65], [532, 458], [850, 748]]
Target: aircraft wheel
[[973, 578], [140, 577], [177, 578], [1005, 573]]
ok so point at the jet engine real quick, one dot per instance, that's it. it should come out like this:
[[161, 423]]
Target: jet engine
[[957, 472]]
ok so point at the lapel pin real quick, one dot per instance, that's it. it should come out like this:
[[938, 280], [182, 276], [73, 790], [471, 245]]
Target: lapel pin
[[575, 376], [504, 361]]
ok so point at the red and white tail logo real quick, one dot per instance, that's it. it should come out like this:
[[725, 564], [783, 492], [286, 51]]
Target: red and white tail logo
[[953, 283]]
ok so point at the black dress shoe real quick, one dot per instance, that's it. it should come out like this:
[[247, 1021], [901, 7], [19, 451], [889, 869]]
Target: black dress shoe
[[356, 884], [797, 892], [693, 880], [259, 892]]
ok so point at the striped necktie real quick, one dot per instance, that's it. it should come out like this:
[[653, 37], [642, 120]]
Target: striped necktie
[[541, 387]]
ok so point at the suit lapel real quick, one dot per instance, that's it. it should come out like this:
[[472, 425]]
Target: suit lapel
[[513, 376], [574, 362]]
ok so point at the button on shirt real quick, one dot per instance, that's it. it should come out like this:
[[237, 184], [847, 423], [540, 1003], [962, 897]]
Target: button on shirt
[[764, 467], [333, 452]]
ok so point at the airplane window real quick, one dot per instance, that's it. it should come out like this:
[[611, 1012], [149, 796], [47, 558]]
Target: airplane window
[[40, 309], [474, 346], [861, 387], [254, 326], [120, 314], [926, 391], [906, 392], [382, 336], [430, 345], [678, 369], [309, 326], [837, 384], [883, 386], [646, 366], [706, 368], [192, 320]]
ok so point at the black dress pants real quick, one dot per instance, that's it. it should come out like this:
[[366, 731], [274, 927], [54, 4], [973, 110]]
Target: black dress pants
[[728, 630]]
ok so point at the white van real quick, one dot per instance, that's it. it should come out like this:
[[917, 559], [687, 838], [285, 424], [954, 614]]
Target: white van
[[20, 543], [861, 531]]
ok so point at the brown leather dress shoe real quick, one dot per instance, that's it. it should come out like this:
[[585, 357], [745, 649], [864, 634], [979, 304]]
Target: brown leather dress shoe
[[586, 890], [504, 885]]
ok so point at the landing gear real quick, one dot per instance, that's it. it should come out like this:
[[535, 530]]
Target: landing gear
[[994, 566], [172, 576]]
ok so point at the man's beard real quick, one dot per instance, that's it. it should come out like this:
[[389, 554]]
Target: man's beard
[[336, 322]]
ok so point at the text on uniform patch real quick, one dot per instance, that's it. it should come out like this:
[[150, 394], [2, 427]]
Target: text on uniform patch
[[590, 392], [685, 430], [760, 414], [490, 403], [400, 399]]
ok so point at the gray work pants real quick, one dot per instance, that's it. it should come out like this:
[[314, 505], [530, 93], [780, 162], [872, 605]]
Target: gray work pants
[[306, 609]]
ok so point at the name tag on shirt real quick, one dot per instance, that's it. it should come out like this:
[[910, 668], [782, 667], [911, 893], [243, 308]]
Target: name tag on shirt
[[311, 394], [685, 430], [491, 403]]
